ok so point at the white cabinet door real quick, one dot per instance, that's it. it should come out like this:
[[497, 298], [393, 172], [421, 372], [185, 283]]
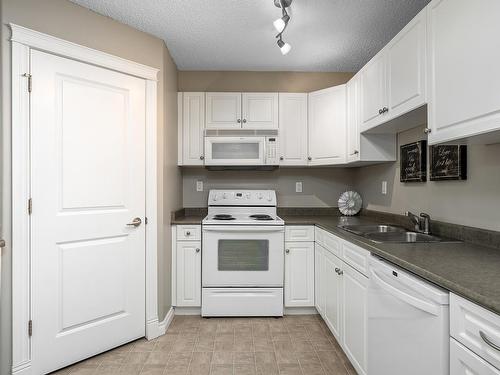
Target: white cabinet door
[[327, 126], [464, 79], [188, 270], [332, 284], [465, 362], [319, 278], [406, 68], [353, 105], [223, 110], [260, 110], [293, 128], [299, 274], [354, 296], [193, 123], [373, 92]]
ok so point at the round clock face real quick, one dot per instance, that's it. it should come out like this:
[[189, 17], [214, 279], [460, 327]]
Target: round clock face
[[350, 203]]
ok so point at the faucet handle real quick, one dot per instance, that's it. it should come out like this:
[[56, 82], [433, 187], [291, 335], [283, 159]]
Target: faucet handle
[[424, 215]]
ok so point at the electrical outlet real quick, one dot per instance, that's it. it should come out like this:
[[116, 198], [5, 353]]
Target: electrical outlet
[[199, 185], [298, 187], [384, 187]]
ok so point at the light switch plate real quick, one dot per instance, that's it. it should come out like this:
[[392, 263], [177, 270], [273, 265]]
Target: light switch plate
[[298, 187], [384, 187], [199, 185]]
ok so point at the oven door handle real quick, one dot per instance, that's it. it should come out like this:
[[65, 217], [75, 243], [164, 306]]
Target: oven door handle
[[260, 229]]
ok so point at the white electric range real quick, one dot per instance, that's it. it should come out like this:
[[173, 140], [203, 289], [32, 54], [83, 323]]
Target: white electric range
[[243, 254]]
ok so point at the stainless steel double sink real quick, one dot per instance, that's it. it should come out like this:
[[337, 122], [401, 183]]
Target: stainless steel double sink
[[390, 233]]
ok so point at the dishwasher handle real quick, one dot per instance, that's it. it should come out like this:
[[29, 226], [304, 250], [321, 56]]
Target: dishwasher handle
[[418, 303]]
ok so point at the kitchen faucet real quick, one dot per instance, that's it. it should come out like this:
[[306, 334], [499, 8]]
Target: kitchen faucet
[[422, 222]]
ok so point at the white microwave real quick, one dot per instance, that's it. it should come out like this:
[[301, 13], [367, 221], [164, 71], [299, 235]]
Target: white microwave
[[244, 151]]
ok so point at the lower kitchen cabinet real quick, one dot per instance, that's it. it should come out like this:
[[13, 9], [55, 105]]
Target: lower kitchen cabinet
[[465, 362], [319, 282], [332, 286], [299, 274]]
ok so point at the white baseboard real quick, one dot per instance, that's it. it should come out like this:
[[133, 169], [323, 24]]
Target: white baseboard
[[23, 369], [301, 311], [188, 310], [165, 323]]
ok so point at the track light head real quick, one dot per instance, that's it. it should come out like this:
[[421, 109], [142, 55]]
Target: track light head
[[281, 23], [284, 47]]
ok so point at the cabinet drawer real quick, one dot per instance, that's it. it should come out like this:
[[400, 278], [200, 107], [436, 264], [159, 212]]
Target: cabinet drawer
[[328, 241], [188, 232], [299, 233], [475, 327], [355, 256], [465, 362]]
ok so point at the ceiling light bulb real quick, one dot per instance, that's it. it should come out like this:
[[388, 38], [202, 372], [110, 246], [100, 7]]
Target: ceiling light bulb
[[281, 23], [284, 47]]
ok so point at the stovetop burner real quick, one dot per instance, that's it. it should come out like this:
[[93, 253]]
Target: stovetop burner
[[223, 217], [261, 217]]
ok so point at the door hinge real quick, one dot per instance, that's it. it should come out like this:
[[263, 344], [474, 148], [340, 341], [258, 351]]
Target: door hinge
[[30, 328], [30, 206], [146, 220], [27, 75]]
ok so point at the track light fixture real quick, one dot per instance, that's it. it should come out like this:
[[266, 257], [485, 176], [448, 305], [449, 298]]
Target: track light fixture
[[281, 23]]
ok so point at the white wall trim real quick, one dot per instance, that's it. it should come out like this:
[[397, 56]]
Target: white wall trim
[[187, 310], [301, 311], [23, 40], [45, 42], [165, 323]]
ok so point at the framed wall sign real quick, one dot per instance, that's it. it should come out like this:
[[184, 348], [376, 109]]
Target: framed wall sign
[[448, 162], [413, 162]]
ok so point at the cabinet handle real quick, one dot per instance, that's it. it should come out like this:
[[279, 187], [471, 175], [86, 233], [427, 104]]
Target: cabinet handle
[[337, 270], [188, 233], [238, 121], [244, 121], [341, 272], [380, 111], [488, 341], [355, 152], [282, 158], [202, 157], [427, 131], [198, 250], [309, 158], [287, 251], [385, 109]]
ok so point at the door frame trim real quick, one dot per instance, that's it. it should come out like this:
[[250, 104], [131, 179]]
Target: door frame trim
[[23, 40]]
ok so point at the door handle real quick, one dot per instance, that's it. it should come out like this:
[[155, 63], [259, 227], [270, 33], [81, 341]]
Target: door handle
[[136, 222]]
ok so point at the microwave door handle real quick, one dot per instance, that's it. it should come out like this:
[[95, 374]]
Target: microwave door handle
[[240, 229]]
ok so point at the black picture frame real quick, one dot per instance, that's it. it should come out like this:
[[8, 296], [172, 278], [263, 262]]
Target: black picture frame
[[413, 162], [448, 162]]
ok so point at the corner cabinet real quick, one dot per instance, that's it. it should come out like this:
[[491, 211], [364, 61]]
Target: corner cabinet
[[463, 42], [293, 129], [327, 126], [186, 265], [191, 124]]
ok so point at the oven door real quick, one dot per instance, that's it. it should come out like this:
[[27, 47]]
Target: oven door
[[242, 256], [224, 151]]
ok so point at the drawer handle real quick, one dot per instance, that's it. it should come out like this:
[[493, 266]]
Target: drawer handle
[[188, 233], [488, 341], [198, 250]]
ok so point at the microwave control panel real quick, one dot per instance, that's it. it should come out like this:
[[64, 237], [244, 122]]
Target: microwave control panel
[[272, 151]]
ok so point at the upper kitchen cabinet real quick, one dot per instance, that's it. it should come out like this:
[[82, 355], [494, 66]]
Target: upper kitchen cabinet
[[223, 110], [191, 117], [364, 148], [293, 129], [464, 79], [259, 110], [327, 126], [226, 110], [393, 83]]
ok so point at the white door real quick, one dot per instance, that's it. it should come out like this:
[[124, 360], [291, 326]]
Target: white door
[[88, 183], [188, 273], [193, 124], [332, 284], [355, 288], [299, 274], [319, 281], [260, 110], [373, 92], [353, 136], [293, 128], [223, 110], [469, 105], [327, 126], [406, 67]]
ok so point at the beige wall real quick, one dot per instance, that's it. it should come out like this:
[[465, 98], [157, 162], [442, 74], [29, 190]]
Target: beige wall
[[68, 21], [473, 202], [259, 81], [321, 186]]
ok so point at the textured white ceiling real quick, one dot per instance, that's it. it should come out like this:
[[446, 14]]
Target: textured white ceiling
[[326, 35]]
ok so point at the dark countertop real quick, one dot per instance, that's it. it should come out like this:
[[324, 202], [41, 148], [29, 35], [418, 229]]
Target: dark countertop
[[464, 268]]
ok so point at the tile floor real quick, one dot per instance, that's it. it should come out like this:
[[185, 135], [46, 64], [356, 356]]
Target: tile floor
[[233, 346]]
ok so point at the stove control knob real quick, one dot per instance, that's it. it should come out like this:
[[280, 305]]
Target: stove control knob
[[224, 196], [259, 195], [248, 195], [215, 197], [269, 197]]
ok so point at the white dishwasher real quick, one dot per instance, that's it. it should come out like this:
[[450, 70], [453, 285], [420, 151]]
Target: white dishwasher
[[408, 323]]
